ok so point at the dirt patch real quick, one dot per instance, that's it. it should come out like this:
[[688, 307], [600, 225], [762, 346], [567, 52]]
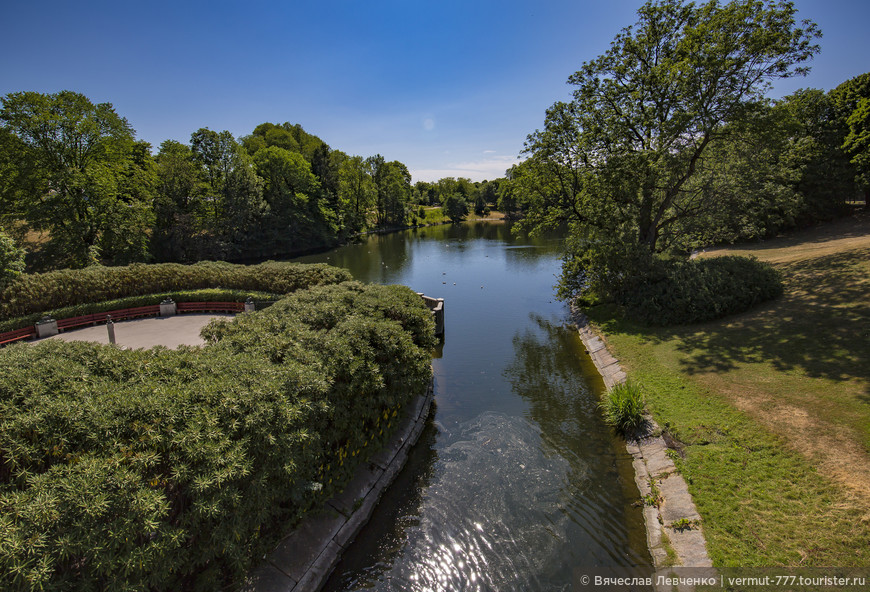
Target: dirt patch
[[834, 452], [843, 235]]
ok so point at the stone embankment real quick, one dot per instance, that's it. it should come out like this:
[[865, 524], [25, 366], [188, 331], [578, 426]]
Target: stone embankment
[[673, 525], [303, 560]]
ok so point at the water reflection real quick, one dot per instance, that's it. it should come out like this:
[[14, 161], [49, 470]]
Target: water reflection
[[546, 372], [491, 519], [520, 482]]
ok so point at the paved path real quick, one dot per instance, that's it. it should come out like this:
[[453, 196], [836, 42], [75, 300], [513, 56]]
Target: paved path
[[146, 333]]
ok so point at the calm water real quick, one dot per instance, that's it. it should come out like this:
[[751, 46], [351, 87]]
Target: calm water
[[516, 483]]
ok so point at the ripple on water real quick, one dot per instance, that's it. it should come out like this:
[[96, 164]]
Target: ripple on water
[[493, 517]]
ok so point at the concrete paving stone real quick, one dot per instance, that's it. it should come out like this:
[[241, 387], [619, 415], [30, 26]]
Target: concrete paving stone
[[690, 547], [393, 469], [298, 551], [267, 578], [359, 487], [653, 529], [641, 477], [170, 332], [595, 345], [357, 520], [415, 433], [603, 359], [658, 464], [320, 569], [678, 503], [417, 405], [652, 445]]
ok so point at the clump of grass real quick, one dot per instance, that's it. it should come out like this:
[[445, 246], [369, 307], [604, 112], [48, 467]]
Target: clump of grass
[[623, 408]]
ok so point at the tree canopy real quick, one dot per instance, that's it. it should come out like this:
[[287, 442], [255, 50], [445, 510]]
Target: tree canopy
[[622, 161], [74, 161]]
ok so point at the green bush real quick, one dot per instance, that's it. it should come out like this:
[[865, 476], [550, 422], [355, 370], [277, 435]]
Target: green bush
[[682, 292], [623, 407], [176, 470], [40, 292]]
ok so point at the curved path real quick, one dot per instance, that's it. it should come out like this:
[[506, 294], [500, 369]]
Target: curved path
[[170, 332]]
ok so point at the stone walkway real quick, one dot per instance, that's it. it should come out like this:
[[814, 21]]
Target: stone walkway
[[673, 525]]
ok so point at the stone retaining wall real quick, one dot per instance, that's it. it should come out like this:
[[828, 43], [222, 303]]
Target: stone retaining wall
[[674, 523], [303, 560]]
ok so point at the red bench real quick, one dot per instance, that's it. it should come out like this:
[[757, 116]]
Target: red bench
[[100, 317], [17, 334], [210, 307], [124, 313]]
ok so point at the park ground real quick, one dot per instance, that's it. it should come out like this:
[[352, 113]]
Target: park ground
[[770, 410]]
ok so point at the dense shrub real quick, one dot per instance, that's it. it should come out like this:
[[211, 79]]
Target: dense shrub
[[684, 292], [40, 292], [174, 470]]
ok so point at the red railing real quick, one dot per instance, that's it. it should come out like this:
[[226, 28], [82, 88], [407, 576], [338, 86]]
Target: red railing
[[16, 335], [210, 306], [124, 313]]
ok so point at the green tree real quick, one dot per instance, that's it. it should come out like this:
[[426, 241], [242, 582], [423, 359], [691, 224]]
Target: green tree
[[393, 184], [618, 161], [298, 214], [455, 207], [357, 194], [823, 176], [233, 190], [75, 162], [858, 144], [181, 213], [11, 259]]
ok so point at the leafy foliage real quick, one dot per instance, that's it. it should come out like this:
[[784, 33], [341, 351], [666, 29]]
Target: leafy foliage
[[455, 207], [174, 470], [11, 259], [683, 292], [624, 162], [40, 292], [78, 174]]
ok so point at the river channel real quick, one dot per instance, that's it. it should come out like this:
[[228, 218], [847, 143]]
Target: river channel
[[516, 484]]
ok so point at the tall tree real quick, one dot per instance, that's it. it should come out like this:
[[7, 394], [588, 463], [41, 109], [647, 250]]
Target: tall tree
[[357, 194], [299, 215], [74, 162], [234, 191], [617, 161], [181, 219]]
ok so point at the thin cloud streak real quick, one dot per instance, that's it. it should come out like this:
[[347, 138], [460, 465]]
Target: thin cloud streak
[[479, 170]]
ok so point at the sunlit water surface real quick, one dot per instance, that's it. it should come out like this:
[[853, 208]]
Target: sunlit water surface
[[516, 484]]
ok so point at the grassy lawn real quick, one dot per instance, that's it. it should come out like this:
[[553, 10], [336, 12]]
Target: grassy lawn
[[773, 405]]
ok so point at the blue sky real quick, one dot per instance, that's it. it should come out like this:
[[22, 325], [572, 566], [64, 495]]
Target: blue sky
[[450, 88]]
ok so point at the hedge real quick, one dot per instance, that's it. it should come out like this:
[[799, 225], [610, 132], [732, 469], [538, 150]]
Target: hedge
[[176, 470], [700, 290], [36, 293]]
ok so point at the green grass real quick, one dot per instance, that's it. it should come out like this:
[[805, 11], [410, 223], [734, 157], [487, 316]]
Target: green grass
[[774, 406], [623, 408]]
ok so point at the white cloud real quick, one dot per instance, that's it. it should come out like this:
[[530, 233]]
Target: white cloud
[[478, 170]]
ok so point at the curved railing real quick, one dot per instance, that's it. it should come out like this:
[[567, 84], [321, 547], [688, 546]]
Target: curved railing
[[120, 315]]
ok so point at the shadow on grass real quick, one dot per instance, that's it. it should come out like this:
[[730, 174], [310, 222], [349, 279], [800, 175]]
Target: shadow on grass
[[821, 326]]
